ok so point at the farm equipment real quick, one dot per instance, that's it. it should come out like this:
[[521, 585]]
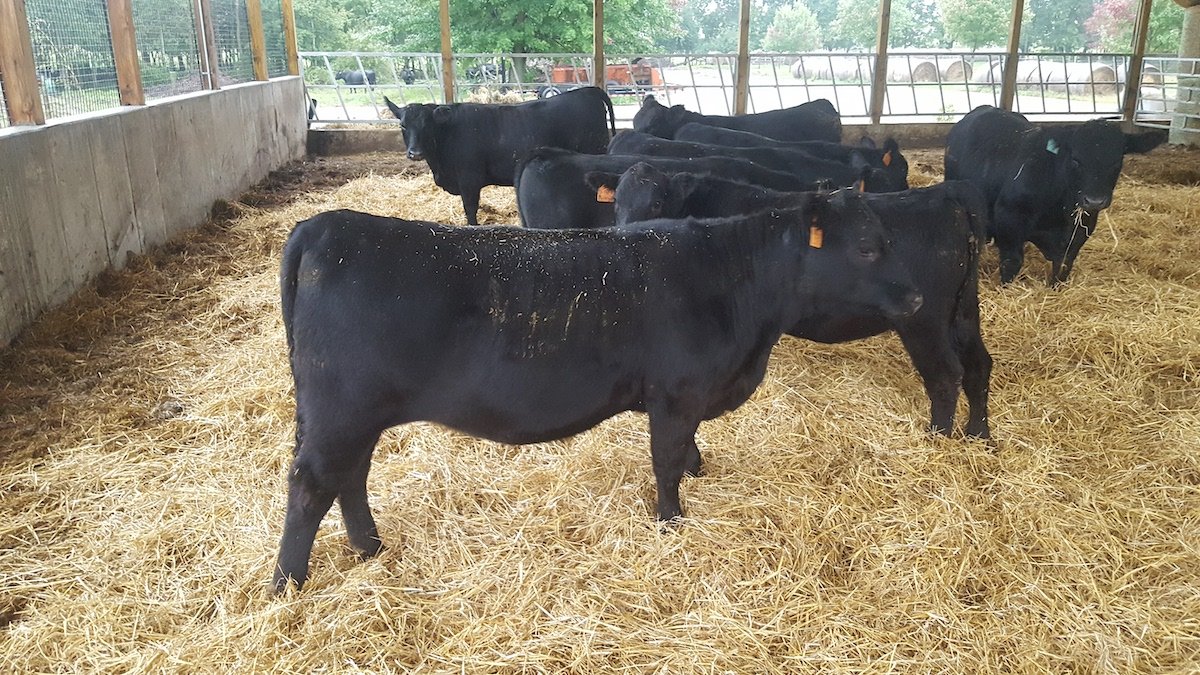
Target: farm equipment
[[641, 76]]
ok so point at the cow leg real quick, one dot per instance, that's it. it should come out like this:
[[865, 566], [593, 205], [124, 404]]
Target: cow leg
[[1010, 238], [327, 466], [977, 375], [693, 464], [672, 441], [934, 358], [470, 200]]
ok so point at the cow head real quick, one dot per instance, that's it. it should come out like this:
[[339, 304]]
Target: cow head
[[644, 193], [849, 260], [342, 75], [1089, 157], [657, 119], [421, 124]]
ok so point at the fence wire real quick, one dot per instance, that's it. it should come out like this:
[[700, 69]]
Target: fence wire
[[3, 107], [272, 16], [73, 55], [232, 32], [167, 47]]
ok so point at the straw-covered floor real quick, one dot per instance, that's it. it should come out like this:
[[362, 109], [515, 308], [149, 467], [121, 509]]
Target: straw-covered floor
[[146, 427]]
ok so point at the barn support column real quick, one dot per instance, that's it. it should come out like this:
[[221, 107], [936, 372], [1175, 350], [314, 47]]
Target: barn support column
[[258, 41], [599, 69], [447, 54], [1133, 76], [21, 95], [879, 77], [741, 86], [1185, 124], [125, 55], [1008, 87], [206, 45], [289, 37]]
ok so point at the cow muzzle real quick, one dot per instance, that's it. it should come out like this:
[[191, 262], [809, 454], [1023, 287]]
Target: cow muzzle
[[904, 304], [1094, 204], [416, 155]]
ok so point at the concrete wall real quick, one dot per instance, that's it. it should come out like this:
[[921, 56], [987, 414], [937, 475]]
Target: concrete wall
[[78, 195]]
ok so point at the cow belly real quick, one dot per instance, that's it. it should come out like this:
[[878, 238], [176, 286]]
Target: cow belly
[[836, 329]]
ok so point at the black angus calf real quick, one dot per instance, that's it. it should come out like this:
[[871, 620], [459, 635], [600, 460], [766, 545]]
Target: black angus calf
[[552, 191], [356, 78], [470, 145], [524, 336], [936, 232], [887, 159], [1046, 186], [810, 170], [812, 121]]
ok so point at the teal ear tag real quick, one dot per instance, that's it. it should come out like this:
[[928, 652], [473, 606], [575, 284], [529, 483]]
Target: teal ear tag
[[1052, 146]]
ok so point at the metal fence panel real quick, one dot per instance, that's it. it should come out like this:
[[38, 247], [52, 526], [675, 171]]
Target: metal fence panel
[[167, 47], [232, 31], [3, 107], [73, 54]]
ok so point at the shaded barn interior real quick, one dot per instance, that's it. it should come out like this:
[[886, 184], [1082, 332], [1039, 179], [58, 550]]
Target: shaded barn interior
[[147, 431]]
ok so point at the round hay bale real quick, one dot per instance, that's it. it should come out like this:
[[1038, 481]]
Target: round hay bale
[[957, 70], [1086, 78], [1151, 74], [925, 71]]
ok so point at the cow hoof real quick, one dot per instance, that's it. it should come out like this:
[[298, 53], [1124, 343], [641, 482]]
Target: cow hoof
[[370, 551]]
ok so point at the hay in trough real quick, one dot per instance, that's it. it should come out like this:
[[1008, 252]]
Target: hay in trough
[[147, 430]]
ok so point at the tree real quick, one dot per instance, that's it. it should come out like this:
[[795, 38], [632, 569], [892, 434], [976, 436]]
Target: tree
[[977, 23], [1056, 25], [856, 25], [794, 29], [1110, 27], [320, 25]]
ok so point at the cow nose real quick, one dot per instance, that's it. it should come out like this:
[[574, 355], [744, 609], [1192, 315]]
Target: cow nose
[[1093, 203], [915, 300], [415, 155]]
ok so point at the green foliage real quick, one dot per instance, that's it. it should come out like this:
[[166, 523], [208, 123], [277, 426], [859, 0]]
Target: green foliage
[[1055, 25], [1111, 26], [856, 25], [794, 29], [321, 25], [976, 23]]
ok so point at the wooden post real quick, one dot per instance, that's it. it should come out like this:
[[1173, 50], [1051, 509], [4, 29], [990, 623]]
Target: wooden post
[[258, 40], [741, 83], [125, 55], [206, 45], [1133, 75], [1008, 88], [447, 54], [21, 95], [879, 78], [289, 37], [599, 68]]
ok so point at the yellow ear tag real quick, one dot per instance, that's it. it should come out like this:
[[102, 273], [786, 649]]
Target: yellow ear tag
[[605, 194], [860, 186], [887, 158], [816, 237]]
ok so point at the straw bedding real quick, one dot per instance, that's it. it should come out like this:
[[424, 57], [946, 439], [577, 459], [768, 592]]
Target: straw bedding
[[147, 428]]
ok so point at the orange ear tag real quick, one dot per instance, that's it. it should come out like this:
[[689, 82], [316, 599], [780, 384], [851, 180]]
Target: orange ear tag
[[860, 186], [816, 237], [887, 158], [605, 194]]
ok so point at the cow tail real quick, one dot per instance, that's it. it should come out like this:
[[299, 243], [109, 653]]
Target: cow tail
[[289, 272]]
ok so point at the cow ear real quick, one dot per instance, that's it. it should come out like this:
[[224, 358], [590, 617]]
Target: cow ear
[[601, 179], [441, 114], [1144, 142], [397, 111], [866, 142]]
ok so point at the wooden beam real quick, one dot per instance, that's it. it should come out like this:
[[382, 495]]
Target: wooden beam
[[879, 78], [1008, 87], [599, 69], [447, 53], [258, 40], [741, 90], [125, 54], [1133, 76], [206, 45], [21, 95], [289, 37]]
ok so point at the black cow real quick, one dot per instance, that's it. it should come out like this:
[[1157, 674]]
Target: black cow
[[552, 191], [524, 336], [812, 121], [887, 159], [1042, 185], [356, 78], [936, 232], [470, 145], [808, 168]]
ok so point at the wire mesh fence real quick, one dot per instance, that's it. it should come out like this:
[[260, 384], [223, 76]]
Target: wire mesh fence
[[272, 16], [3, 106], [232, 33], [73, 56], [167, 47]]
